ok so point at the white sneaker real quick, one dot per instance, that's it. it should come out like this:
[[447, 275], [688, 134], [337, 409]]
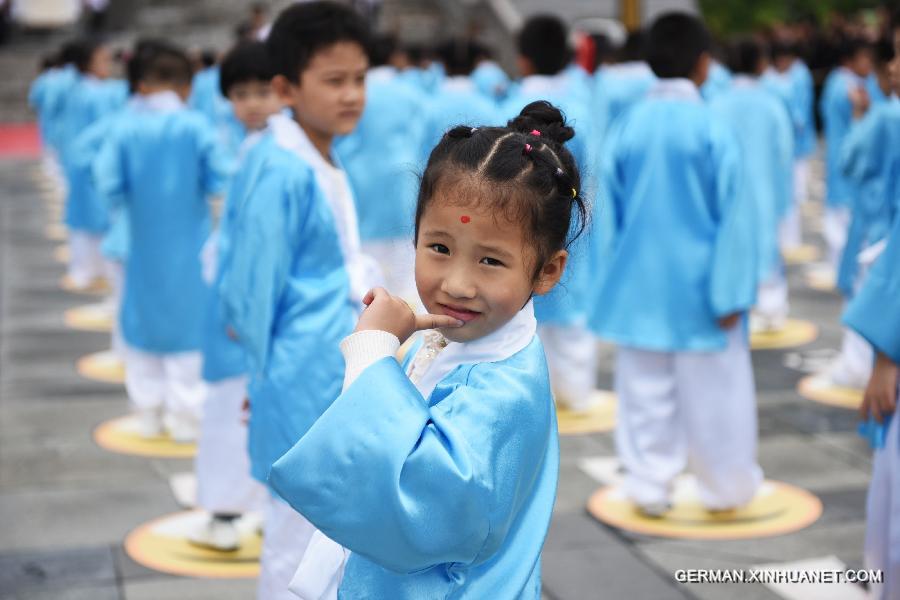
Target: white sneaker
[[216, 534], [149, 423], [840, 376], [182, 430], [653, 510]]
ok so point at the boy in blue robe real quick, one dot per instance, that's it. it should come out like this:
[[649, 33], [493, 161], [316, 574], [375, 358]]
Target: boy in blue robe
[[285, 288], [162, 167], [458, 446], [836, 108], [766, 138], [225, 488], [91, 98], [544, 54], [206, 97], [490, 79], [381, 159], [681, 274]]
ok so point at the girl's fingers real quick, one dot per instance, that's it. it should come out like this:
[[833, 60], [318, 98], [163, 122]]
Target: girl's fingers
[[429, 321]]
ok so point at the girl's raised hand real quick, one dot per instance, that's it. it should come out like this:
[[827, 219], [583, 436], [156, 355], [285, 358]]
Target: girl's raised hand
[[385, 312]]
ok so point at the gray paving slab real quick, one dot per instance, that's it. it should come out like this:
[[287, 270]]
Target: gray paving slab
[[57, 568], [108, 591], [195, 589]]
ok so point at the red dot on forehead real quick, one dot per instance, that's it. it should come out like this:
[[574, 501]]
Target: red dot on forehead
[[465, 219]]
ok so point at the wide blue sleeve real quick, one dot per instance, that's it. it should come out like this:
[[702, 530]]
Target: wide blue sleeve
[[874, 312], [409, 485], [262, 242], [862, 159], [214, 163], [110, 172], [733, 274]]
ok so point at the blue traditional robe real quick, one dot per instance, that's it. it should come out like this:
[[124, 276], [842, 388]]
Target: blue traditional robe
[[87, 102], [457, 103], [47, 96], [206, 97], [684, 250], [765, 134], [381, 156], [162, 167], [718, 80], [870, 153], [285, 292], [442, 494], [617, 88], [803, 94], [491, 81], [837, 115]]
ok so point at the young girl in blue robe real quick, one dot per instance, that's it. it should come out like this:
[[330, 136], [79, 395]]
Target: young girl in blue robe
[[457, 446]]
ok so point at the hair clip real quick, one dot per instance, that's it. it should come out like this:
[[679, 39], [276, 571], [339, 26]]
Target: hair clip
[[535, 132], [473, 130], [574, 193], [559, 172], [527, 149]]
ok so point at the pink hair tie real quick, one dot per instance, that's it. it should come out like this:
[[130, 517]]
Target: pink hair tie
[[527, 149], [535, 132]]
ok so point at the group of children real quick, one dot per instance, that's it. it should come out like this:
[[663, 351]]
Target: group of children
[[283, 222]]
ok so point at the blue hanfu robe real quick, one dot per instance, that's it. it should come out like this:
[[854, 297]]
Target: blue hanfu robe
[[684, 250], [804, 108], [491, 80], [88, 101], [441, 494], [837, 115], [47, 96], [617, 88], [870, 153], [717, 81], [381, 156], [285, 292], [566, 304], [764, 132], [457, 102], [873, 88], [162, 167]]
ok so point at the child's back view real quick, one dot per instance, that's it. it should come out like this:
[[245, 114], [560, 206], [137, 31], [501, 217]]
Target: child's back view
[[681, 271], [162, 167]]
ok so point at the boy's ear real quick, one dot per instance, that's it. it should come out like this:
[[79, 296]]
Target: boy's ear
[[701, 69], [550, 273], [282, 88]]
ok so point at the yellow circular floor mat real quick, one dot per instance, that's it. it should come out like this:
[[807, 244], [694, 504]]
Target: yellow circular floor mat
[[801, 254], [122, 435], [796, 332], [91, 317], [103, 366], [778, 508], [98, 287], [820, 389], [162, 545], [600, 417]]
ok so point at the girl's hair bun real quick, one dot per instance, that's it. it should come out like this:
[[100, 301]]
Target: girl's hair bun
[[546, 118]]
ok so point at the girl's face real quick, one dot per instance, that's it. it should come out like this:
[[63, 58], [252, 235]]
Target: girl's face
[[477, 267]]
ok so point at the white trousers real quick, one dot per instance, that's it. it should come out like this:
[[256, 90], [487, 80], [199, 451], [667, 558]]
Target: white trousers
[[835, 223], [224, 483], [86, 262], [790, 230], [688, 410], [287, 534], [882, 546], [115, 272], [772, 297], [397, 258], [572, 360], [853, 365], [170, 384], [801, 180]]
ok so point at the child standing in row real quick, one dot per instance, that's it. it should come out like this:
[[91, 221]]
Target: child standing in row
[[682, 273], [225, 487], [286, 288], [458, 446], [162, 167]]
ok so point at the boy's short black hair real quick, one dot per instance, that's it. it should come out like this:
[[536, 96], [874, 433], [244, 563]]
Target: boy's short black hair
[[458, 57], [544, 40], [850, 47], [144, 50], [634, 47], [381, 49], [303, 29], [675, 43], [168, 65], [84, 53], [243, 63], [745, 54], [884, 52]]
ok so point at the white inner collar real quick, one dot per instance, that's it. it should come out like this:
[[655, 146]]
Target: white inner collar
[[675, 89], [496, 346], [166, 101]]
